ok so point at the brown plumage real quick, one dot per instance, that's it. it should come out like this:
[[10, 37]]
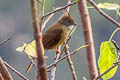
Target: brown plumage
[[58, 32]]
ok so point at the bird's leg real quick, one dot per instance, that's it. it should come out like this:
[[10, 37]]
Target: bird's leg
[[57, 50]]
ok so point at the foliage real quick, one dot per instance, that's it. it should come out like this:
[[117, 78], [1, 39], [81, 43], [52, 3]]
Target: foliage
[[109, 6], [108, 55]]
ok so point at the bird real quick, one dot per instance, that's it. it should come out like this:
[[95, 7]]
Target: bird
[[57, 33]]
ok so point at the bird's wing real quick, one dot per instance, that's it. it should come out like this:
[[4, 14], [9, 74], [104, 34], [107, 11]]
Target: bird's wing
[[51, 38]]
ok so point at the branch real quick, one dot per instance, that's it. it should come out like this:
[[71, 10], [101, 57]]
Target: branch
[[64, 57], [4, 71], [68, 8], [70, 63], [15, 71], [87, 30], [104, 14], [6, 40], [114, 65], [58, 9], [46, 21], [41, 65], [53, 70], [1, 77]]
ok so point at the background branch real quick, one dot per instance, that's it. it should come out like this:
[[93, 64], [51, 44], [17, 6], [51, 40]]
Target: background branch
[[15, 71], [87, 30], [69, 60], [58, 9], [64, 57], [46, 21], [104, 14], [53, 70], [41, 65], [4, 71], [114, 65], [6, 40]]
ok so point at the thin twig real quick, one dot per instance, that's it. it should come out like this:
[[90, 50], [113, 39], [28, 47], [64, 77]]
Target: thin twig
[[15, 71], [69, 60], [104, 14], [58, 9], [1, 43], [4, 71], [53, 70], [64, 57], [68, 8], [87, 30], [41, 64], [67, 41], [114, 65], [46, 21], [32, 63], [58, 56]]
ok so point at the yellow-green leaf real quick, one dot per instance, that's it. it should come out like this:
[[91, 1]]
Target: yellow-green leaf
[[108, 6], [108, 55], [29, 49], [73, 30], [77, 0]]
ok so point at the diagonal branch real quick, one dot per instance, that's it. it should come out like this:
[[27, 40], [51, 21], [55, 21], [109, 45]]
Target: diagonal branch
[[53, 70], [69, 60], [104, 14], [64, 57], [114, 65], [6, 40], [58, 9], [15, 71], [4, 71]]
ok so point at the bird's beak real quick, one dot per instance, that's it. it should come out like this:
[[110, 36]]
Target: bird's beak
[[75, 24]]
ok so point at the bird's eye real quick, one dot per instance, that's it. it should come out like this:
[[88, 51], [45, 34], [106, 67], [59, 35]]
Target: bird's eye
[[69, 22]]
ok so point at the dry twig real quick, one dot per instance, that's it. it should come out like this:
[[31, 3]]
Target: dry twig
[[1, 43], [53, 70], [104, 14], [15, 71], [64, 57], [114, 65], [69, 60], [46, 21], [4, 71], [58, 9]]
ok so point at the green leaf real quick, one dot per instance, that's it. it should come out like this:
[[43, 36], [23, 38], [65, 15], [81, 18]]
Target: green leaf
[[29, 49], [77, 0], [109, 6], [84, 46], [108, 55], [73, 30]]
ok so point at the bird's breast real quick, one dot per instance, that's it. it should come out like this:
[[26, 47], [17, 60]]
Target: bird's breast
[[64, 35]]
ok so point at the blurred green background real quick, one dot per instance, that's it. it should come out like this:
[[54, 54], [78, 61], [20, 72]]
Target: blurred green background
[[16, 21]]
